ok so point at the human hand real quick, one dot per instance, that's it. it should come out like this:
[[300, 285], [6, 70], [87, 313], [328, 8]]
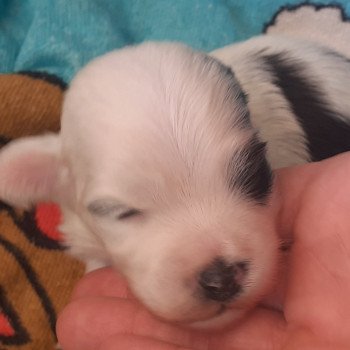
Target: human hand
[[313, 204]]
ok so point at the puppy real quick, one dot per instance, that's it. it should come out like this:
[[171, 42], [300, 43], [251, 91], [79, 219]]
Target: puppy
[[163, 165]]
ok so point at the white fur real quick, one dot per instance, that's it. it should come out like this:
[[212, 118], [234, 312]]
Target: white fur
[[270, 112], [142, 128], [152, 143]]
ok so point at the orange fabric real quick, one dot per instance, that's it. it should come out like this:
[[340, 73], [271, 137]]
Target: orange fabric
[[36, 275]]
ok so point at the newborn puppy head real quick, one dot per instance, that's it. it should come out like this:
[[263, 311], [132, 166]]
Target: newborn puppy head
[[159, 172]]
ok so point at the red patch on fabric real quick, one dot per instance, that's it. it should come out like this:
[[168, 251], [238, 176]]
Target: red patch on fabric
[[48, 217], [5, 327]]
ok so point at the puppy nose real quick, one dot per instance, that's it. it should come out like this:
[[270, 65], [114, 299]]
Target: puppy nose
[[221, 281]]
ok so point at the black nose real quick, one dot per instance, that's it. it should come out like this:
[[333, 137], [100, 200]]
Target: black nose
[[221, 281]]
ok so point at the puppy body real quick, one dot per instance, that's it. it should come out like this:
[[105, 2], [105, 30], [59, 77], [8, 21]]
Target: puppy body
[[298, 96], [160, 170]]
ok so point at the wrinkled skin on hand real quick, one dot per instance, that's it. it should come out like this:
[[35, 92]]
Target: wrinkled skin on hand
[[313, 210]]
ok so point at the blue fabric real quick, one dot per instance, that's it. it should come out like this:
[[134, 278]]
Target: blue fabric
[[59, 36]]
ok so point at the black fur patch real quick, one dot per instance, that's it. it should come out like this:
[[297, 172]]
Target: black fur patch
[[230, 75], [235, 92], [250, 172], [325, 129]]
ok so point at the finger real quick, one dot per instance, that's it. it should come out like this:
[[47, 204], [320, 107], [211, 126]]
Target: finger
[[102, 282], [87, 322], [304, 339], [263, 329], [319, 279], [135, 342], [292, 184], [289, 189]]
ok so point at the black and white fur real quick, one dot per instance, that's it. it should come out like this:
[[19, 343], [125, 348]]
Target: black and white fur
[[161, 167], [298, 96]]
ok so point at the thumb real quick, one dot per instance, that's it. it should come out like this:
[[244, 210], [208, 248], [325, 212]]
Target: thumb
[[129, 341], [292, 185]]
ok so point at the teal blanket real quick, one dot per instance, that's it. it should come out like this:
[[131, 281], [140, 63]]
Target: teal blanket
[[59, 36]]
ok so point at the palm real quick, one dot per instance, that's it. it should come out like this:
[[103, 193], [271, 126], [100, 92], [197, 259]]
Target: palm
[[315, 205]]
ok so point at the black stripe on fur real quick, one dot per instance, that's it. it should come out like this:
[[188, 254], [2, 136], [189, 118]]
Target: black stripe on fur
[[326, 131]]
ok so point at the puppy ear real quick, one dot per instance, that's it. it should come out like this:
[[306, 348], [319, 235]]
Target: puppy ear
[[29, 170]]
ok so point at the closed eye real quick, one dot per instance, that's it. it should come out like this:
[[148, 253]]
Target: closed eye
[[112, 209], [128, 213]]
